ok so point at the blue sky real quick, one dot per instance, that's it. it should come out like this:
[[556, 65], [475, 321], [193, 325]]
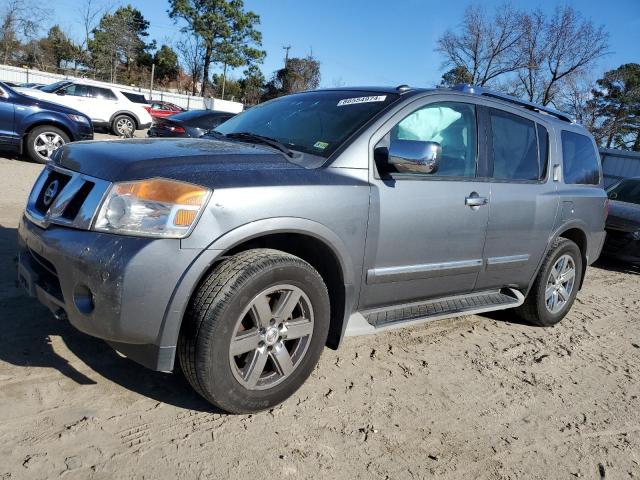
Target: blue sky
[[390, 42]]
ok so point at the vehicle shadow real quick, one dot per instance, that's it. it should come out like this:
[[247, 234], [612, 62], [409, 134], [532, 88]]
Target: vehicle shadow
[[27, 329], [615, 265]]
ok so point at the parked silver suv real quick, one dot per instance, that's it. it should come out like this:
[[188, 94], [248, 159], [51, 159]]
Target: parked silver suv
[[308, 218]]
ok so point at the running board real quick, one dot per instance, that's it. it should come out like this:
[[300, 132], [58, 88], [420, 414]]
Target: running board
[[376, 320]]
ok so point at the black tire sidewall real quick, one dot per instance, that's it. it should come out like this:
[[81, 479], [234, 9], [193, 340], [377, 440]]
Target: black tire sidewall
[[33, 134], [545, 317], [214, 369]]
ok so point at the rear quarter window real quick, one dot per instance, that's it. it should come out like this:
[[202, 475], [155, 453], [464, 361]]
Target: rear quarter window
[[580, 159]]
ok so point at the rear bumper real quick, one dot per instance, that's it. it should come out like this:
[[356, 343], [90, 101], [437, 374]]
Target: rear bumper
[[112, 287]]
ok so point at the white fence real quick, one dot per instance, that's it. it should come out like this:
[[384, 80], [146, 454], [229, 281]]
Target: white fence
[[24, 75]]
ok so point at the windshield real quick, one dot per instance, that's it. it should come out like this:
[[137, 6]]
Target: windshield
[[625, 191], [312, 122], [54, 86]]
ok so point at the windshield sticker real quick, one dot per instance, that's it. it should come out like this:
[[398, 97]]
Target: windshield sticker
[[320, 145], [357, 100]]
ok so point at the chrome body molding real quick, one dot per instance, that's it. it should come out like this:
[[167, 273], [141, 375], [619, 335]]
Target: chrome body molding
[[428, 270]]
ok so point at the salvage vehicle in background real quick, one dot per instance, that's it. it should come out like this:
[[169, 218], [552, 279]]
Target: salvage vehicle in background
[[243, 253], [623, 222], [107, 107], [36, 127], [193, 123], [158, 109]]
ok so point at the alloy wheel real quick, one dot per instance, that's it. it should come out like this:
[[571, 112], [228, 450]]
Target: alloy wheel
[[46, 143], [271, 337], [560, 283]]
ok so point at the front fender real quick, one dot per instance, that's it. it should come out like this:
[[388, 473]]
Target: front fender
[[170, 329], [28, 121]]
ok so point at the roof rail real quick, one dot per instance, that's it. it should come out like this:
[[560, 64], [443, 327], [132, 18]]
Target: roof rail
[[476, 90]]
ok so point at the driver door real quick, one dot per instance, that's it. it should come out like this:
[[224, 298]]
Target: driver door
[[426, 232]]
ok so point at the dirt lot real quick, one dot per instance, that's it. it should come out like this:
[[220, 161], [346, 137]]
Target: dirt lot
[[482, 397]]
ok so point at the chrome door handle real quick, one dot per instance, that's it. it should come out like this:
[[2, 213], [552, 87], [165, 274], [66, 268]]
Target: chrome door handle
[[475, 201]]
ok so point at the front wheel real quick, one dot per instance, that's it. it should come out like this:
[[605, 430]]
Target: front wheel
[[556, 285], [42, 141], [254, 330]]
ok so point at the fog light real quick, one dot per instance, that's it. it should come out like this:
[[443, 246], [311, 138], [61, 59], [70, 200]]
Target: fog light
[[83, 299]]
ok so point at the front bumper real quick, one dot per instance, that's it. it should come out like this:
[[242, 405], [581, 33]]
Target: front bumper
[[112, 287]]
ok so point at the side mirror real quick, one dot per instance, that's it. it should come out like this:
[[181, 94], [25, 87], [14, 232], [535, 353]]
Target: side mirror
[[613, 196], [61, 92], [415, 156]]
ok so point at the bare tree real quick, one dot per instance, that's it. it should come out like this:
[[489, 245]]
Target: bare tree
[[484, 47], [557, 48], [191, 49], [21, 20]]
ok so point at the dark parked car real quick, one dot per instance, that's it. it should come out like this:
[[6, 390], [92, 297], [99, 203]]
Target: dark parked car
[[37, 127], [193, 123], [623, 223]]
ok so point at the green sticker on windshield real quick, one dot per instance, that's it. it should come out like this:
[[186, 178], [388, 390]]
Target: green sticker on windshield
[[320, 145]]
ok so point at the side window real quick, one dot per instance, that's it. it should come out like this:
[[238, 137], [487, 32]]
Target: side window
[[451, 124], [543, 148], [102, 93], [580, 160], [514, 147], [76, 90]]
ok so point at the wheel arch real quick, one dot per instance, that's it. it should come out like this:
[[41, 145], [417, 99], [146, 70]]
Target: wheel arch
[[128, 113], [312, 242], [43, 123], [577, 233]]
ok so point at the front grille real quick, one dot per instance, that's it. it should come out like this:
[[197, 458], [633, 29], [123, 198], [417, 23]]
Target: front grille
[[66, 198], [60, 180]]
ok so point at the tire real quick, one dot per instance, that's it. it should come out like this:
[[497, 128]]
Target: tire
[[123, 126], [43, 140], [536, 308], [230, 304]]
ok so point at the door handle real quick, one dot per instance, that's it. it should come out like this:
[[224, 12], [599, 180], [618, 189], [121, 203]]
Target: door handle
[[474, 200]]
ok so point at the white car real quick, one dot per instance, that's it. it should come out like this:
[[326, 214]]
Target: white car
[[107, 107]]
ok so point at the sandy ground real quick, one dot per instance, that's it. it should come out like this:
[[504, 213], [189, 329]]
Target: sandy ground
[[481, 397]]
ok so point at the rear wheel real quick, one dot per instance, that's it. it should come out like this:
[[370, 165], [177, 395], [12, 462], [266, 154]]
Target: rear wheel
[[254, 330], [556, 286], [123, 126], [42, 141]]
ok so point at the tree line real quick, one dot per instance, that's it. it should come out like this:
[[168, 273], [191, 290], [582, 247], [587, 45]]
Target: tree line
[[547, 59], [115, 47]]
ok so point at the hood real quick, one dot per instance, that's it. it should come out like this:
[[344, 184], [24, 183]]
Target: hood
[[193, 160], [623, 216]]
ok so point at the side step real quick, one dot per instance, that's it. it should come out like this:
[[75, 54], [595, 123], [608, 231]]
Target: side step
[[371, 321]]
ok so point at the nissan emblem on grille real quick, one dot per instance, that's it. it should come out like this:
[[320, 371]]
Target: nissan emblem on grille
[[50, 193]]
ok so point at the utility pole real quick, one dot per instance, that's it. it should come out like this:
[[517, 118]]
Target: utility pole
[[153, 72], [286, 55], [224, 78]]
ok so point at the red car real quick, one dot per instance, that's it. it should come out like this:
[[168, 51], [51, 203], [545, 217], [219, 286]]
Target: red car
[[162, 109]]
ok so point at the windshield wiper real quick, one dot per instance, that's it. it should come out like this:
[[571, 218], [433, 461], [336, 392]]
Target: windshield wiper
[[255, 138]]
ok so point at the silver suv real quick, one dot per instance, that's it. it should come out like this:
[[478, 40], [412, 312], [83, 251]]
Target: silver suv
[[308, 218]]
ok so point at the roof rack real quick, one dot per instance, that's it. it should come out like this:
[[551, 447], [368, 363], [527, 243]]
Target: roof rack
[[476, 90]]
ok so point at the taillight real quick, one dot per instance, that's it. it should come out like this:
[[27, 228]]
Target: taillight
[[176, 129], [606, 208]]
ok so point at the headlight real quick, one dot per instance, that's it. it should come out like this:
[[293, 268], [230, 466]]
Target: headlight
[[152, 208], [78, 118]]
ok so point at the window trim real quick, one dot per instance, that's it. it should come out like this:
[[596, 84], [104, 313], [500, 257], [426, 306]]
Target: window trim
[[425, 176], [489, 152]]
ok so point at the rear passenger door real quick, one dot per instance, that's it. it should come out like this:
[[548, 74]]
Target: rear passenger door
[[524, 200]]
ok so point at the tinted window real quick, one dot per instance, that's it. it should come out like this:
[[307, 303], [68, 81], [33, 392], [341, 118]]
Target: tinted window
[[625, 191], [543, 148], [54, 86], [514, 147], [314, 122], [76, 90], [580, 159], [102, 93], [453, 126], [134, 97]]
